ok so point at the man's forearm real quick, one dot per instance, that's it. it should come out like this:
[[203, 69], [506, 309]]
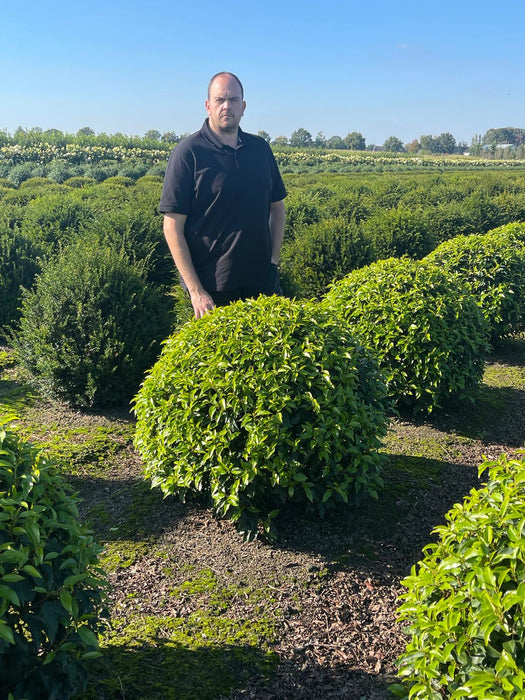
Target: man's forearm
[[174, 234], [277, 220]]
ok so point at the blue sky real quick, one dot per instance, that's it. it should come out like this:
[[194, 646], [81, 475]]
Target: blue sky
[[381, 68]]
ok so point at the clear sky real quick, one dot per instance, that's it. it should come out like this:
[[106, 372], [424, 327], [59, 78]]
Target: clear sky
[[379, 67]]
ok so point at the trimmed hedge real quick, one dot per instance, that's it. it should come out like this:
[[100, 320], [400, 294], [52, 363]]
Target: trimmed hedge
[[262, 402], [91, 326], [465, 601], [52, 593], [492, 265], [424, 327]]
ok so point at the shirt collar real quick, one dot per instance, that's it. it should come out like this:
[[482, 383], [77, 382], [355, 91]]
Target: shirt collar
[[212, 136]]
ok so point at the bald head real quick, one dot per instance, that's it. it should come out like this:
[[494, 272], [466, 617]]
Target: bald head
[[225, 74]]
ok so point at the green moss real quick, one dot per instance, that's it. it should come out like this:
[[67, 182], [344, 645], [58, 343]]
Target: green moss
[[123, 554]]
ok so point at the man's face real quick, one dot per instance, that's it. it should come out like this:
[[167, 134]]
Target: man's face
[[225, 105]]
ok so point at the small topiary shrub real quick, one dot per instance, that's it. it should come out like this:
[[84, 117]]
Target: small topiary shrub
[[492, 265], [424, 327], [262, 402], [91, 326], [52, 593], [320, 254], [465, 603]]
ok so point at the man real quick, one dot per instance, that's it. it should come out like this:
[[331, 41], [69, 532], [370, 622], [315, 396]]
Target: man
[[223, 206]]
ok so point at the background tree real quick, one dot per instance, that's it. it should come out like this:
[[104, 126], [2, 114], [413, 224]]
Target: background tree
[[280, 141], [355, 141], [85, 131], [393, 145], [446, 143], [153, 134], [301, 138], [264, 135], [413, 147], [169, 137], [508, 134], [335, 142], [320, 140]]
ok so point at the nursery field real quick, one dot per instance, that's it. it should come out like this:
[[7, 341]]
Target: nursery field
[[392, 368], [195, 612]]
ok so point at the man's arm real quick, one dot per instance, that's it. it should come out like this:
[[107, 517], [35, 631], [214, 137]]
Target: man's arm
[[174, 233], [277, 218]]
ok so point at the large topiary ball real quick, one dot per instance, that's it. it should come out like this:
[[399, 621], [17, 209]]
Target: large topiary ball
[[492, 265], [91, 326], [465, 601], [52, 593], [424, 327], [262, 402]]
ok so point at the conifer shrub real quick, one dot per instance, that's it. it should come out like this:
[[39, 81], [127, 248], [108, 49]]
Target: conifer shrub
[[91, 326], [259, 403], [53, 219], [52, 592], [18, 268], [398, 232], [465, 601], [320, 254], [492, 265], [425, 328]]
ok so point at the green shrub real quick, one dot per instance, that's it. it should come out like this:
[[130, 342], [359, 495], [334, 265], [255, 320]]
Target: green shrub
[[398, 232], [465, 602], [320, 254], [258, 403], [18, 268], [492, 265], [52, 219], [52, 593], [91, 326], [424, 327]]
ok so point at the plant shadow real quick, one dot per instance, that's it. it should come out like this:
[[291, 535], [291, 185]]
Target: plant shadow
[[386, 534], [163, 669]]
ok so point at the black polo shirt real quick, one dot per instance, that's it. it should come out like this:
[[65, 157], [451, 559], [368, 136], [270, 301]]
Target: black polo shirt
[[226, 195]]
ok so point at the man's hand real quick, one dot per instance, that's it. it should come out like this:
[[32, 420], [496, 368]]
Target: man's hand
[[201, 302]]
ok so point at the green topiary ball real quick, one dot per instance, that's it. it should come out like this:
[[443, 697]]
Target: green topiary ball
[[465, 602], [492, 265], [91, 326], [424, 327], [258, 403], [52, 593]]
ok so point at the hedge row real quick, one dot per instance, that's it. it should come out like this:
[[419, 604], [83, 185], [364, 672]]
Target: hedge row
[[465, 601]]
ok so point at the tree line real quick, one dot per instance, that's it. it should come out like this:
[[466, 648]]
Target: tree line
[[507, 140]]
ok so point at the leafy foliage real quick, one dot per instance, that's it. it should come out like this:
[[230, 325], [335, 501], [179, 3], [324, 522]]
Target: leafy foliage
[[91, 326], [51, 589], [258, 403], [465, 602], [424, 327], [492, 265]]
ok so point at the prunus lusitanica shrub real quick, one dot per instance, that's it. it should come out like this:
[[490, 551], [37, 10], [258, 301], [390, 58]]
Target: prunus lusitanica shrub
[[424, 327], [492, 265], [52, 593], [90, 326], [320, 254], [262, 402], [18, 268], [465, 601]]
